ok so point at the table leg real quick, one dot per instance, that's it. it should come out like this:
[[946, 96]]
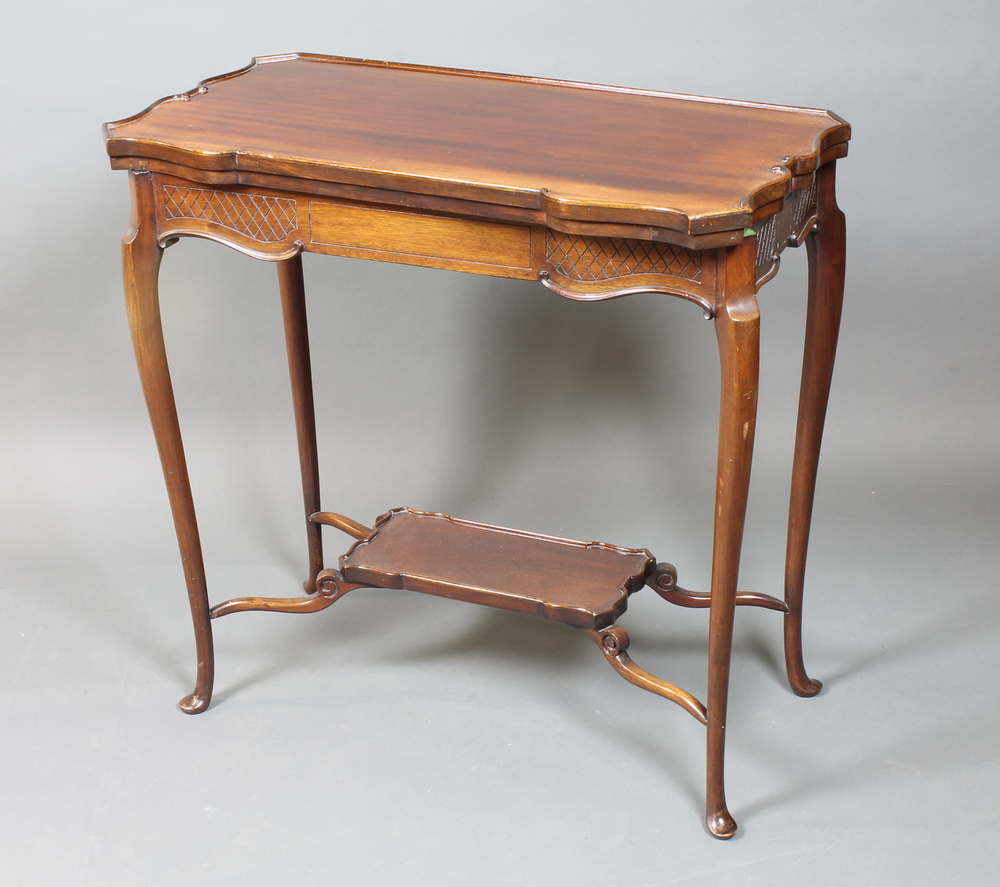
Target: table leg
[[737, 325], [826, 248], [293, 305], [141, 255]]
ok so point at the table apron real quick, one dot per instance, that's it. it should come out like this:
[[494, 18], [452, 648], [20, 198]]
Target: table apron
[[272, 225]]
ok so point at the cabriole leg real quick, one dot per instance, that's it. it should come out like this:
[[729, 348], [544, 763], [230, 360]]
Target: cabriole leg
[[141, 263], [826, 247], [293, 306], [737, 325]]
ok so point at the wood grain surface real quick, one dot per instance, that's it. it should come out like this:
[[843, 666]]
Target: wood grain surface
[[578, 151]]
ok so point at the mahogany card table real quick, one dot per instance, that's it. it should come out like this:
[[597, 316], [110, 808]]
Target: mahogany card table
[[595, 192]]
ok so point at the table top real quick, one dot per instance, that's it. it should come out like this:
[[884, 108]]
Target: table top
[[576, 151]]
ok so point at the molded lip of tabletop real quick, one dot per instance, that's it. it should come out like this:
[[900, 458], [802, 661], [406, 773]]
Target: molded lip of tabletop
[[575, 151]]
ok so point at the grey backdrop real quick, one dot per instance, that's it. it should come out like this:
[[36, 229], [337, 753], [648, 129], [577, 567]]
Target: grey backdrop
[[404, 740]]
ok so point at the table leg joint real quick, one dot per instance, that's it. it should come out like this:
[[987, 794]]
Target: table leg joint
[[330, 587], [663, 580], [614, 642]]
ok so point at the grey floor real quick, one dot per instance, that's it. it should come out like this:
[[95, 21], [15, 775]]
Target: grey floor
[[398, 739]]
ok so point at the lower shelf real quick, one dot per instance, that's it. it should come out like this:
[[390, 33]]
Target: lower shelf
[[584, 584]]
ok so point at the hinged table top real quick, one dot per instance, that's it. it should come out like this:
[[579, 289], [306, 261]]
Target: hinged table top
[[576, 151]]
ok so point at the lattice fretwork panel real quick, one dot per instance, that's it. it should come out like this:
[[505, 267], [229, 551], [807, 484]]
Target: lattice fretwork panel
[[592, 259], [259, 217], [767, 244], [803, 204]]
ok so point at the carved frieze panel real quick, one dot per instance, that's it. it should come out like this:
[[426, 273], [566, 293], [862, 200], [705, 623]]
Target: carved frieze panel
[[260, 217]]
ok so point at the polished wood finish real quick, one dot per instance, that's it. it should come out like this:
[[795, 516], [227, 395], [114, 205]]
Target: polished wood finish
[[512, 141], [597, 192], [737, 327], [380, 234], [827, 250], [585, 584], [614, 643], [293, 306], [141, 255]]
